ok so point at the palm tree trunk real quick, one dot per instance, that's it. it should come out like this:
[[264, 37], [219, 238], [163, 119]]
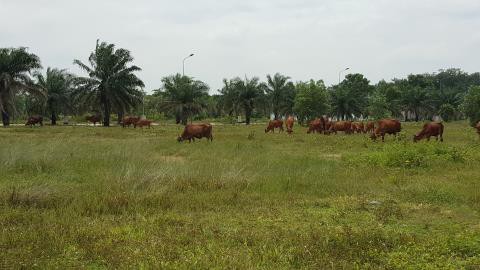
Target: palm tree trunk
[[5, 119], [54, 119], [106, 116], [120, 117], [248, 114]]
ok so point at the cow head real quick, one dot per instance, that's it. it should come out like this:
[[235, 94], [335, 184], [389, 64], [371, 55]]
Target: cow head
[[373, 136], [416, 138], [179, 139]]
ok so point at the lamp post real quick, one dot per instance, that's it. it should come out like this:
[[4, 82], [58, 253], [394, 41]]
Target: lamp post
[[183, 70], [340, 73]]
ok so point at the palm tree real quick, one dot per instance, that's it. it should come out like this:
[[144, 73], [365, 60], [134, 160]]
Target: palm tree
[[184, 96], [57, 84], [15, 67], [229, 97], [281, 94], [248, 92], [111, 84]]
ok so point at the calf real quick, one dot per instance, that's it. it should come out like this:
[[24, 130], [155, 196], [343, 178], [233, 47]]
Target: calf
[[33, 120], [143, 122], [273, 124], [192, 131], [430, 129], [386, 126], [130, 120], [289, 124], [93, 119]]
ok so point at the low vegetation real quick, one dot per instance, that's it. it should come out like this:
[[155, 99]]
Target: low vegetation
[[85, 197]]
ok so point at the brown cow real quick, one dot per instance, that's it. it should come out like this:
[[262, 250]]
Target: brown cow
[[143, 122], [357, 127], [198, 131], [33, 120], [129, 120], [289, 124], [345, 126], [315, 126], [273, 124], [369, 127], [386, 126], [430, 129], [478, 128], [93, 119]]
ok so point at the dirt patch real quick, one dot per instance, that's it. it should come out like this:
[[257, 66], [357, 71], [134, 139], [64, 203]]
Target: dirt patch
[[332, 156], [172, 159]]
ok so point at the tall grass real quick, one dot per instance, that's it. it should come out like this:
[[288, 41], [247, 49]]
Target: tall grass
[[87, 197]]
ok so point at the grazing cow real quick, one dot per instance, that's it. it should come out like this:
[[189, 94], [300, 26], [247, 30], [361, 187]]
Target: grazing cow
[[33, 120], [130, 120], [370, 126], [198, 131], [315, 125], [143, 122], [386, 126], [434, 129], [289, 124], [345, 126], [93, 119], [478, 128], [273, 124]]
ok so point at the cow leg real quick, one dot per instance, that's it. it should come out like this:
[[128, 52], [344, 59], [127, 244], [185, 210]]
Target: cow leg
[[383, 137], [441, 137], [428, 138]]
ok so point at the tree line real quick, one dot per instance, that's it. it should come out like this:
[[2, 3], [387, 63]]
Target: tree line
[[110, 87]]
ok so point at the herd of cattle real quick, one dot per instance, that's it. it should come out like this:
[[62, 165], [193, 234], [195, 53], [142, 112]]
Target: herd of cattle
[[376, 129], [319, 125]]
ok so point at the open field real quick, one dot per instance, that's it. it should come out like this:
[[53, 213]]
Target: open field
[[86, 197]]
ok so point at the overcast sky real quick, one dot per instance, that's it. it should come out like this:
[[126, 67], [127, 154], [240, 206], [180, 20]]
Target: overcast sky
[[303, 39]]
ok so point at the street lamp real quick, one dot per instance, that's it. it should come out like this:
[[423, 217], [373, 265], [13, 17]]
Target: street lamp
[[184, 63], [340, 73]]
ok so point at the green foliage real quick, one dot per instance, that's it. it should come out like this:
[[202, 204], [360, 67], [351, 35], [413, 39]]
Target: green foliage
[[351, 96], [243, 95], [471, 105], [311, 100], [183, 96], [111, 84], [58, 85], [15, 67], [447, 112], [409, 155], [378, 107], [281, 94]]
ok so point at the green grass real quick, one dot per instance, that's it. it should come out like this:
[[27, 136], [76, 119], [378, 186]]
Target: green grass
[[94, 198]]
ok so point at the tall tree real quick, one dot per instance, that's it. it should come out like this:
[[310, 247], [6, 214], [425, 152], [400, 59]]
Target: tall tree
[[111, 83], [248, 92], [311, 100], [57, 84], [281, 94], [351, 96], [184, 96], [16, 64]]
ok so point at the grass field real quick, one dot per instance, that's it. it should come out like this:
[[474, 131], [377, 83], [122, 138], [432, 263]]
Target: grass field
[[85, 197]]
